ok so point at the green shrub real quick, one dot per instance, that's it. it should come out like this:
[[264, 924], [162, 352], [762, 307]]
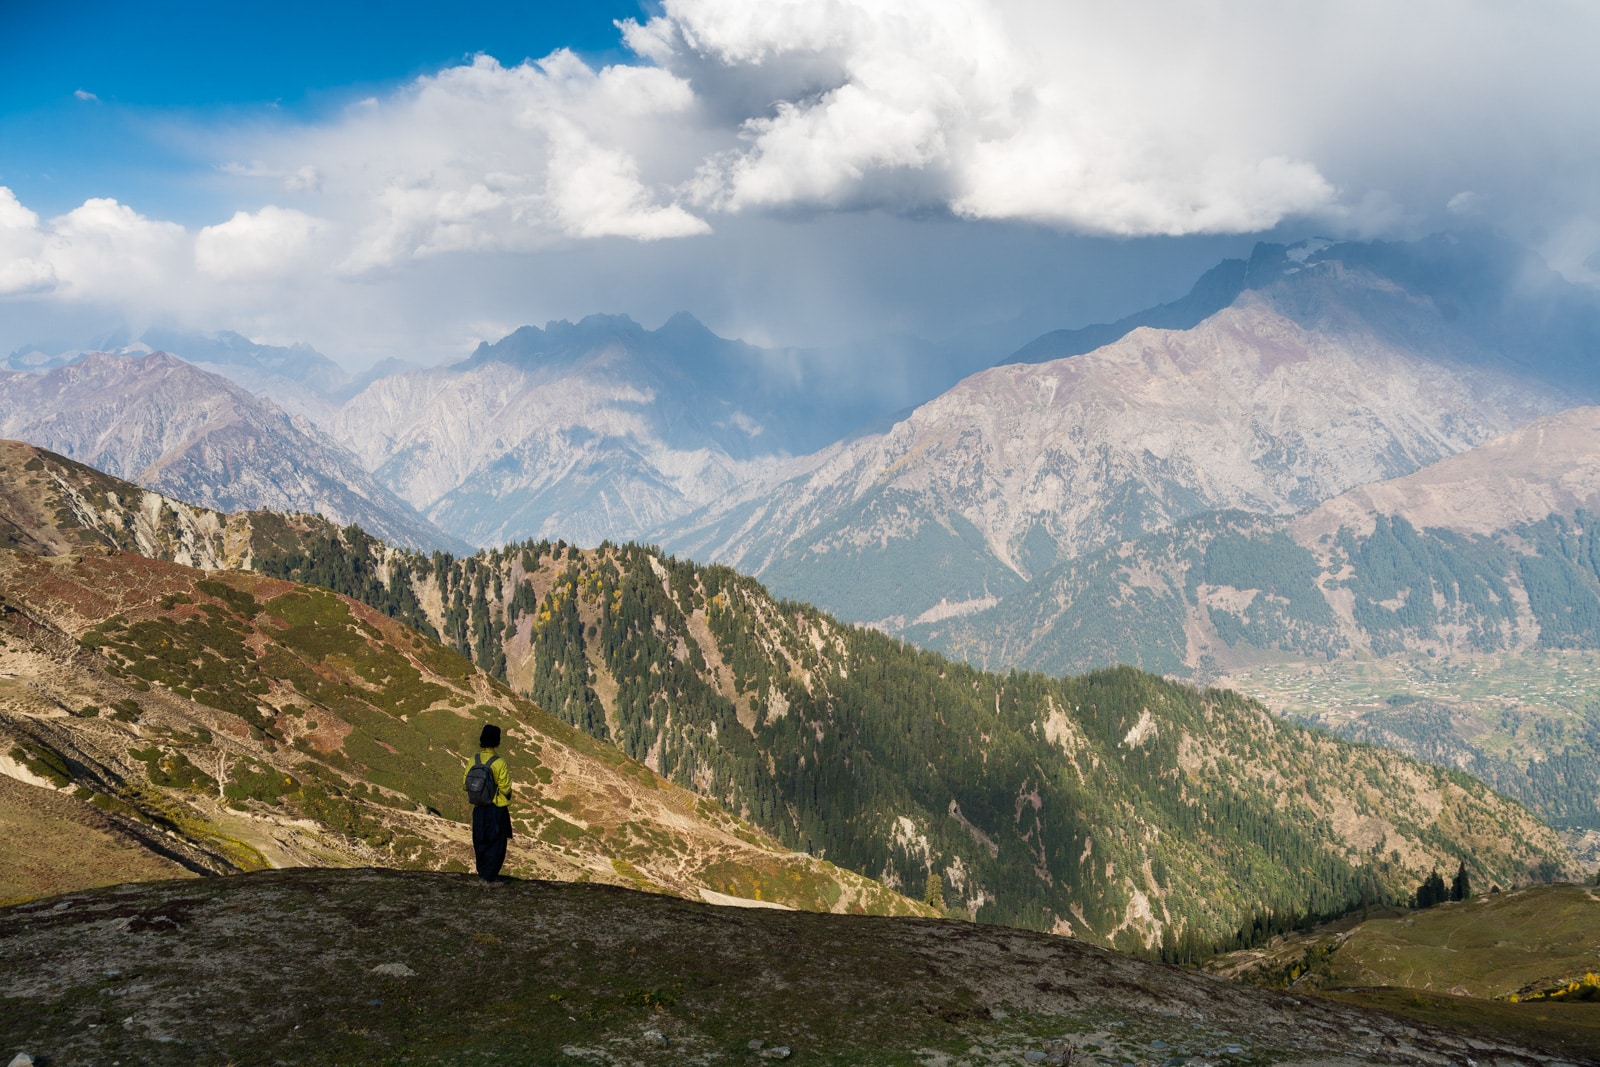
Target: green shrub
[[44, 761], [171, 769]]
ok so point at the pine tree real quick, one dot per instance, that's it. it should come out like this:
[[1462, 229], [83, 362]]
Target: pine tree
[[933, 896], [1461, 888], [1432, 891]]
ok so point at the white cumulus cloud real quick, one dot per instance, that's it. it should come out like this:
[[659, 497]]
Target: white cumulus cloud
[[22, 268], [264, 244], [595, 191], [100, 251], [915, 105], [818, 123], [486, 157]]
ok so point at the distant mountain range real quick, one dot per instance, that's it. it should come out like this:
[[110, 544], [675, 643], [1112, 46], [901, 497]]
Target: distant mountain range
[[296, 377], [597, 430], [1277, 384], [200, 438], [606, 430], [1482, 551], [1328, 378], [594, 430]]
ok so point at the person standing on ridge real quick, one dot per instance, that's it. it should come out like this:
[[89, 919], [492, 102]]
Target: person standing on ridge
[[488, 783]]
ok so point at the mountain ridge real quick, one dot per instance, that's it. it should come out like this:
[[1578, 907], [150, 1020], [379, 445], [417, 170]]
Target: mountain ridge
[[763, 704], [1026, 464], [1214, 290], [1548, 467], [199, 437], [207, 721]]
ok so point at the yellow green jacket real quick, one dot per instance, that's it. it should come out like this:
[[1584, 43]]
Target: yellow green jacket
[[502, 775]]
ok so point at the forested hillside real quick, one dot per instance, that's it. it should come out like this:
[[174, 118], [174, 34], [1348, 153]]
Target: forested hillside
[[157, 720], [1115, 806], [1219, 592], [1185, 599]]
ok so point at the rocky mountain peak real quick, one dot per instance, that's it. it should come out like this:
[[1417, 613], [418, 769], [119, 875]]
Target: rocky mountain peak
[[1328, 378], [201, 438], [559, 343]]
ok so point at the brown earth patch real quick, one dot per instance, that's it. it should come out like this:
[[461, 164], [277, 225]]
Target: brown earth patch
[[55, 844]]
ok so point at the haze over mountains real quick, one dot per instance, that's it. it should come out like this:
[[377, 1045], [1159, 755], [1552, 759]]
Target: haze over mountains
[[591, 431], [199, 438], [1276, 384], [1327, 377], [594, 430], [296, 377]]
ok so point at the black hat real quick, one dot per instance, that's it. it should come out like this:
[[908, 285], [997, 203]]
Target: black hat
[[490, 738]]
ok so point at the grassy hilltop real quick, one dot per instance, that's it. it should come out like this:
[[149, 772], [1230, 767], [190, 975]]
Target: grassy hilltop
[[1520, 962], [385, 967]]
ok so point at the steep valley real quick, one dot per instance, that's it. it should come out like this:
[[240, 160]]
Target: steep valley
[[1115, 806], [158, 720], [1433, 613]]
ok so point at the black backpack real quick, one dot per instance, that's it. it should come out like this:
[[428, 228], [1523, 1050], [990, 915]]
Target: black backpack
[[481, 786]]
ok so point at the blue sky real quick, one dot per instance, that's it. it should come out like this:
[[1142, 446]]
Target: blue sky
[[407, 179], [156, 68]]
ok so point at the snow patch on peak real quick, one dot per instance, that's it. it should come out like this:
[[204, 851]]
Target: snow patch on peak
[[1304, 250]]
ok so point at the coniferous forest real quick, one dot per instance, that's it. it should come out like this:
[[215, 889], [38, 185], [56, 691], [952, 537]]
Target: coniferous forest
[[1115, 805]]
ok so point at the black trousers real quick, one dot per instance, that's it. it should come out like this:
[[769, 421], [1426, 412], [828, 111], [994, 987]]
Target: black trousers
[[491, 831]]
